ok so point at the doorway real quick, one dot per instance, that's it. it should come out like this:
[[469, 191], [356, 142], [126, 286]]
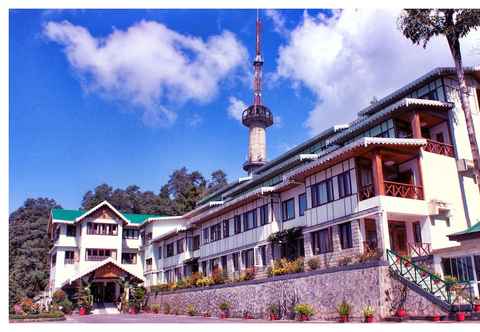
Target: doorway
[[398, 237]]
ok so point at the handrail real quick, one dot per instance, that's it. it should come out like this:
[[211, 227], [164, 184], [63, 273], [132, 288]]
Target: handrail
[[419, 249], [449, 292], [439, 148], [405, 190]]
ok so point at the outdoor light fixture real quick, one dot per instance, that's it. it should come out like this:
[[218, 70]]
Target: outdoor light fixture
[[389, 163]]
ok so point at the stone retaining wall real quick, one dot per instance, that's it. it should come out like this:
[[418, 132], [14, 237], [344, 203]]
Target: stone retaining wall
[[360, 285]]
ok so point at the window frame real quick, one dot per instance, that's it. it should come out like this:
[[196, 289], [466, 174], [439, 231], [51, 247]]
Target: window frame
[[322, 241], [345, 229], [285, 203], [226, 228], [237, 224], [302, 198], [344, 188], [263, 214], [69, 231], [316, 192]]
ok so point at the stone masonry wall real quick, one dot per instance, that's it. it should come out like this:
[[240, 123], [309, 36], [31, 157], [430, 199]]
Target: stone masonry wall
[[324, 290]]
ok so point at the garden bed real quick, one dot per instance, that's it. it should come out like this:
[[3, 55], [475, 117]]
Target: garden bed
[[34, 318]]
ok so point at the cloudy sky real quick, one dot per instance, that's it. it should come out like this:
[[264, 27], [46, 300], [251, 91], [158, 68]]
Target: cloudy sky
[[127, 96]]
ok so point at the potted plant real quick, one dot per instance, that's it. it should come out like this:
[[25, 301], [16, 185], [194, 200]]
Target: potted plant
[[476, 304], [460, 316], [368, 313], [247, 315], [191, 311], [303, 311], [224, 310], [407, 261], [166, 308], [401, 312], [436, 317], [274, 311], [436, 278], [155, 308], [344, 310], [207, 314]]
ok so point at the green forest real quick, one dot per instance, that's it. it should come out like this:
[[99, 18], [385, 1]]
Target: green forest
[[29, 243]]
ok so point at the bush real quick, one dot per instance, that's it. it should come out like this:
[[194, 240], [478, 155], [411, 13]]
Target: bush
[[369, 255], [313, 263], [191, 281], [155, 308], [303, 309], [191, 311], [368, 311], [66, 306], [218, 277], [51, 314], [205, 281], [159, 288], [224, 306], [344, 261], [344, 308], [58, 296], [247, 274], [284, 266], [27, 305]]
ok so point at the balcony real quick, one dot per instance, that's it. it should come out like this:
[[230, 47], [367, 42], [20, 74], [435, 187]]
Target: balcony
[[439, 148], [394, 189]]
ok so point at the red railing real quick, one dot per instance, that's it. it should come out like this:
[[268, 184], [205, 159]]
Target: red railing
[[403, 190], [419, 249], [439, 148], [366, 192]]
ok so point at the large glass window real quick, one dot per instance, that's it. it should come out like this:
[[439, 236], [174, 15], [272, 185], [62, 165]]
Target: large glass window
[[69, 257], [322, 192], [263, 214], [205, 235], [458, 267], [288, 209], [249, 220], [344, 185], [215, 232], [322, 241], [237, 224], [345, 234], [101, 229], [130, 233], [71, 230], [170, 250], [129, 258], [180, 246], [302, 204], [196, 242], [226, 228], [100, 254], [248, 258]]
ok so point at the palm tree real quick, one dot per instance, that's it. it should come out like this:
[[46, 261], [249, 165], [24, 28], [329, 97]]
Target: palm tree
[[419, 25]]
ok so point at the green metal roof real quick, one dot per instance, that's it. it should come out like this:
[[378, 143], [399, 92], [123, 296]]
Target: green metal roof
[[71, 215], [474, 229]]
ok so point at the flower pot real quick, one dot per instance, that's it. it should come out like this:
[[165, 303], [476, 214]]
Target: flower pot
[[343, 318], [401, 313], [224, 314], [303, 318], [132, 311], [460, 316], [273, 317], [369, 319], [436, 318], [476, 307], [82, 311]]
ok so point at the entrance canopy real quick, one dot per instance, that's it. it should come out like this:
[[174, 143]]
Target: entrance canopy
[[106, 269]]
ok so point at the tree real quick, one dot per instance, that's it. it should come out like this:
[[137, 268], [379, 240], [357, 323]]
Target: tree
[[218, 179], [101, 193], [29, 245], [185, 189], [420, 25]]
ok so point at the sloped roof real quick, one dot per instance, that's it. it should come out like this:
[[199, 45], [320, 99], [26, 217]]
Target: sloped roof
[[71, 215], [469, 233]]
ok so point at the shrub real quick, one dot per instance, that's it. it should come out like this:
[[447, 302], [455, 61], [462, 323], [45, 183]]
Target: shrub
[[180, 284], [273, 309], [313, 263], [166, 308], [224, 306], [155, 308], [58, 296], [344, 308], [303, 309], [191, 311], [247, 274], [51, 314], [369, 255], [27, 305], [191, 281], [217, 276], [205, 281], [344, 261], [159, 288], [284, 266], [66, 306]]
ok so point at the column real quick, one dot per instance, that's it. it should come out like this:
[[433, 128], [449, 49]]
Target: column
[[269, 254], [230, 268], [383, 236], [415, 123], [377, 168], [426, 229], [307, 245], [410, 237]]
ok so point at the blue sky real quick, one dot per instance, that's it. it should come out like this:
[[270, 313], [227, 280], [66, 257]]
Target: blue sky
[[96, 95]]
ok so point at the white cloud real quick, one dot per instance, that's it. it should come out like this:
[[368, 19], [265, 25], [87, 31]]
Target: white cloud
[[150, 66], [278, 21], [347, 59], [195, 120], [235, 108]]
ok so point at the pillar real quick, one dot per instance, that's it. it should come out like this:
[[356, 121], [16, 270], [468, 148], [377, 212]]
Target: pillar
[[415, 124], [383, 236], [307, 245], [426, 229], [377, 168]]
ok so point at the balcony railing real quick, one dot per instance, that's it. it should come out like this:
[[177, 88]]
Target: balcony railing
[[395, 189], [97, 258], [403, 190], [439, 148], [418, 249]]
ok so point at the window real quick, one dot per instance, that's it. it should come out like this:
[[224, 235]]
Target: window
[[148, 237], [205, 235], [130, 233], [458, 267], [204, 268], [129, 258], [417, 232], [168, 276], [54, 259], [215, 232], [249, 220], [322, 192], [345, 234], [71, 230], [263, 254], [264, 214], [148, 264], [344, 185], [101, 229], [196, 242], [178, 273], [288, 209], [226, 228], [100, 254], [180, 246], [322, 241], [236, 262], [56, 235], [224, 264], [237, 224], [159, 252], [302, 204], [69, 257], [170, 250], [248, 258]]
